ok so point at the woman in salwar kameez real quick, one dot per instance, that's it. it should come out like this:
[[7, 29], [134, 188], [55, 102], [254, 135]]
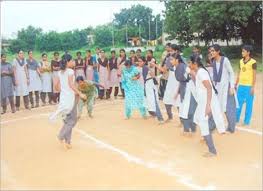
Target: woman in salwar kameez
[[134, 93]]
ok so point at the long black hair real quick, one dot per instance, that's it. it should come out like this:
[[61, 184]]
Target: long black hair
[[217, 48], [64, 60], [177, 57], [127, 63], [195, 58]]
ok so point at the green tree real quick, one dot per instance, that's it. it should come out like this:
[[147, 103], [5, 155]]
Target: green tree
[[29, 36], [103, 35], [138, 16], [177, 22], [214, 20]]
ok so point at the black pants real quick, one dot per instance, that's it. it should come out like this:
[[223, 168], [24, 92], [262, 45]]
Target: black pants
[[162, 88], [122, 90], [26, 101], [56, 97], [101, 93], [11, 101], [189, 122], [32, 99], [43, 97], [116, 91]]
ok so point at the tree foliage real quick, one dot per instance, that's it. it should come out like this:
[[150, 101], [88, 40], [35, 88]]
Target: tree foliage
[[138, 16], [34, 39], [214, 20]]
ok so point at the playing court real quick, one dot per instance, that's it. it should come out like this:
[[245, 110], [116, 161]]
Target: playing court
[[110, 152]]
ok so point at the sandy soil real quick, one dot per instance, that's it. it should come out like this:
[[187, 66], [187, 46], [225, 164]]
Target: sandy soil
[[110, 152]]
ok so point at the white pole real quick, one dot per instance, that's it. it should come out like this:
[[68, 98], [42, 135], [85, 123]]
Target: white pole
[[156, 30], [149, 28], [139, 31], [112, 36], [126, 35], [163, 32]]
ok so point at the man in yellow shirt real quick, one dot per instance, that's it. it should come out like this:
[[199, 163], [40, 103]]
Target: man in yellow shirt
[[246, 80]]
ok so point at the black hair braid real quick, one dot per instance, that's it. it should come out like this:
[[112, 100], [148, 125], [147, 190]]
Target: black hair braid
[[202, 66], [64, 60], [196, 59]]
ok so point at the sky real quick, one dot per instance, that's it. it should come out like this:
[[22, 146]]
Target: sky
[[63, 15]]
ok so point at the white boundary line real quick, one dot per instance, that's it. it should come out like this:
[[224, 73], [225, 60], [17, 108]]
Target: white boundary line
[[150, 165], [250, 130], [130, 158], [237, 127], [165, 169], [43, 114]]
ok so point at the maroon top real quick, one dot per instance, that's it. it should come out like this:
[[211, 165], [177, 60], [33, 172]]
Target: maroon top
[[79, 63], [55, 63], [113, 63], [104, 63]]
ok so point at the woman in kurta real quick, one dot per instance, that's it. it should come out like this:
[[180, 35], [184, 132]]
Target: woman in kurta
[[55, 67], [151, 89], [79, 66], [68, 102], [134, 94], [7, 84], [172, 85], [95, 65], [46, 78], [104, 73], [121, 60], [143, 69], [133, 58], [224, 80], [114, 80], [35, 85], [164, 74], [89, 66], [207, 104], [21, 80], [187, 95]]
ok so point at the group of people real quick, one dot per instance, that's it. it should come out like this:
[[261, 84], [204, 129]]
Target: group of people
[[201, 93]]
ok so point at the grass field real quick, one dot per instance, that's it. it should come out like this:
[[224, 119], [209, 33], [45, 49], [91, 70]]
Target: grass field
[[234, 57]]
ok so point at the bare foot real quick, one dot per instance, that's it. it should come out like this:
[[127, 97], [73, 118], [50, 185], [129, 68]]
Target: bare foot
[[161, 122], [209, 155], [67, 146], [168, 120], [60, 140], [202, 140]]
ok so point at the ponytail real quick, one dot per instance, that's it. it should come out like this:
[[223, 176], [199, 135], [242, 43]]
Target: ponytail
[[64, 60], [177, 57], [196, 59]]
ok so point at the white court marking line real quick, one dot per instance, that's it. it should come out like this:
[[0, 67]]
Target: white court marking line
[[24, 118], [131, 158], [241, 128], [43, 114], [166, 169], [256, 132], [250, 130]]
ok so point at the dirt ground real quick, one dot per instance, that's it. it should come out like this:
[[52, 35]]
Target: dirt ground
[[110, 152]]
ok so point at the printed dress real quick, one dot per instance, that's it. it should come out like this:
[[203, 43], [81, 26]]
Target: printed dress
[[134, 93]]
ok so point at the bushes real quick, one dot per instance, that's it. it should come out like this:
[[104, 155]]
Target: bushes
[[34, 39]]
